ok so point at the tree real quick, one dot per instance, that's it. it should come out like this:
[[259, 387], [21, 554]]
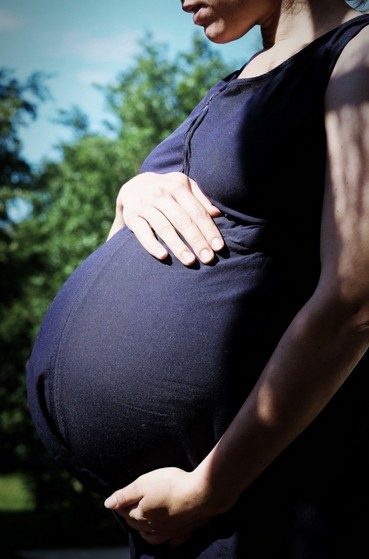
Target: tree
[[152, 97], [18, 106], [72, 204], [73, 215]]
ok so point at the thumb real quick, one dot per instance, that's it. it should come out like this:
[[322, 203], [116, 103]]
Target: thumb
[[123, 498], [118, 224]]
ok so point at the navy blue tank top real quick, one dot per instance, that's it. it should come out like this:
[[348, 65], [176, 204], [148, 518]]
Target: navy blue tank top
[[256, 146], [141, 364]]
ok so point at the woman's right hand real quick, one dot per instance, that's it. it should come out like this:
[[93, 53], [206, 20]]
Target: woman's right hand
[[172, 208]]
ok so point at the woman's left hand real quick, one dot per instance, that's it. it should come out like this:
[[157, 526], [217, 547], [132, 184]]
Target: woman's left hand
[[167, 505]]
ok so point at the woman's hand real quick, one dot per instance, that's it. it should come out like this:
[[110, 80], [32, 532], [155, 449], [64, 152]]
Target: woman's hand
[[171, 207], [165, 506]]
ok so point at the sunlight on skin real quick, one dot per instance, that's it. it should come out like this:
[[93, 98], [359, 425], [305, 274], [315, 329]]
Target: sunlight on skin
[[348, 198], [265, 405]]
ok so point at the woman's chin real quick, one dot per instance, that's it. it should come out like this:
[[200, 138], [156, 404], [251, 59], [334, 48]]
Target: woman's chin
[[218, 35]]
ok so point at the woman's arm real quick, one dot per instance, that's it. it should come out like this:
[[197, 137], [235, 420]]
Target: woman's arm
[[316, 354], [330, 334]]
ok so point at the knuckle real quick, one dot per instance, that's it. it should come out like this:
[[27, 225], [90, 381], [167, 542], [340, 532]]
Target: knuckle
[[175, 181], [157, 195], [184, 222], [132, 218], [164, 229], [200, 214]]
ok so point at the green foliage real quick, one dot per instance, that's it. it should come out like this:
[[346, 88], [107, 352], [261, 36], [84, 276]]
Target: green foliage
[[70, 207], [151, 98], [14, 494], [75, 118], [22, 526], [18, 105], [75, 213]]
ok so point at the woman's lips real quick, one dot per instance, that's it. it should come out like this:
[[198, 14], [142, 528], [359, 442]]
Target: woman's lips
[[190, 7], [198, 11]]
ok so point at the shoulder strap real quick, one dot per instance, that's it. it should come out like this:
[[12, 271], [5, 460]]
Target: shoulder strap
[[342, 35]]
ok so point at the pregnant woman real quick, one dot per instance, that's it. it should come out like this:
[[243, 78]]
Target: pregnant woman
[[205, 370]]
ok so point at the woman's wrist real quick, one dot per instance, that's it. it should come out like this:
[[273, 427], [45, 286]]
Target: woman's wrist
[[216, 495]]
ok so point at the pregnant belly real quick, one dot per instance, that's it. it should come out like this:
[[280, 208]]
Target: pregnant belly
[[147, 362]]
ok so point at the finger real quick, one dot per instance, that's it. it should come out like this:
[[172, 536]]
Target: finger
[[139, 524], [213, 210], [124, 498], [181, 207], [118, 224], [154, 220], [143, 231], [181, 221], [207, 234]]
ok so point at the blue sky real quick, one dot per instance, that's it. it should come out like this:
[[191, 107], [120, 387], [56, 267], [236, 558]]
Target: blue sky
[[82, 42]]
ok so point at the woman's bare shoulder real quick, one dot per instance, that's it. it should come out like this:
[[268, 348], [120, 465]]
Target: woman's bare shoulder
[[349, 83], [355, 55]]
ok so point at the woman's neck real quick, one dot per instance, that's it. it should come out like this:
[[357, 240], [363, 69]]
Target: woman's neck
[[290, 30], [304, 21]]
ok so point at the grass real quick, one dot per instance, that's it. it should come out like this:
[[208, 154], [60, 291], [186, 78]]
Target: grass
[[14, 495], [22, 526]]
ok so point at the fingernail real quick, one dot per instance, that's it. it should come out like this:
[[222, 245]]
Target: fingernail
[[206, 255], [111, 502], [161, 253], [216, 243], [187, 256]]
